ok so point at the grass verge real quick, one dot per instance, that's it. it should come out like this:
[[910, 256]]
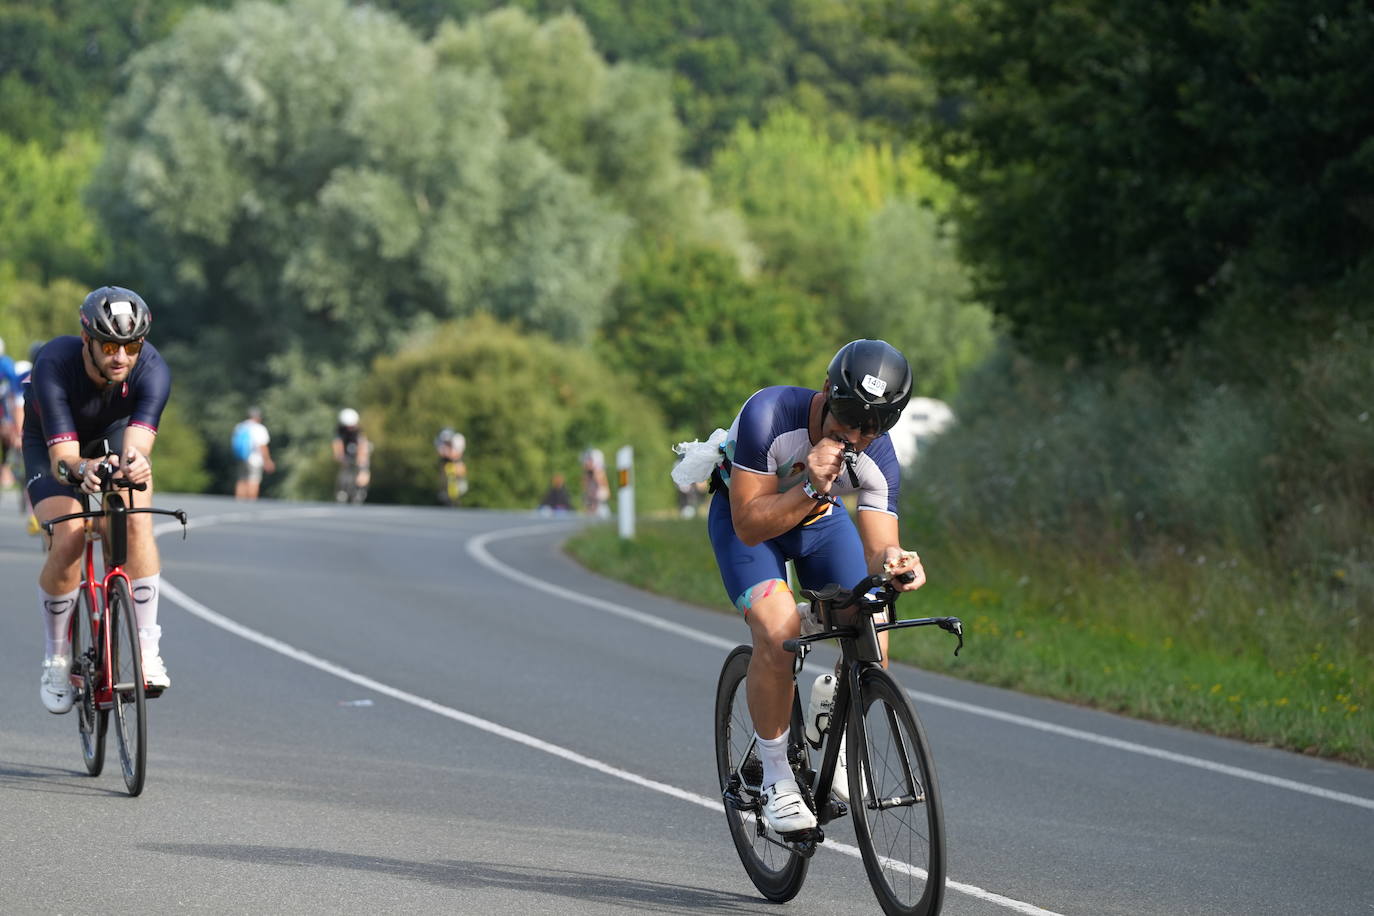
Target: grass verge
[[1190, 646]]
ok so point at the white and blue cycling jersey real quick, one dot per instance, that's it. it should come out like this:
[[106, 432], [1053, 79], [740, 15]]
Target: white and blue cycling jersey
[[771, 435]]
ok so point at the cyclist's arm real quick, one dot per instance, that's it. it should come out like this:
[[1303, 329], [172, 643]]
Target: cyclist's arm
[[138, 445], [878, 531], [761, 512], [69, 452], [338, 447]]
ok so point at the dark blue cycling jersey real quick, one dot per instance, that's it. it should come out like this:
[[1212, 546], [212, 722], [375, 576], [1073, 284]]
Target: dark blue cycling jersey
[[63, 404], [771, 435]]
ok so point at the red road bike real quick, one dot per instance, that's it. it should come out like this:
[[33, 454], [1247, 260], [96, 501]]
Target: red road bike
[[107, 664]]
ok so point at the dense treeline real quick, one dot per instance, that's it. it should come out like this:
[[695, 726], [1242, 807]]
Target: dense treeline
[[313, 185]]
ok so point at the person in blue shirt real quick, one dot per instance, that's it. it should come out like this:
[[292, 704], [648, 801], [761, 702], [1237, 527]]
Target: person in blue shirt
[[787, 458], [107, 385], [9, 411]]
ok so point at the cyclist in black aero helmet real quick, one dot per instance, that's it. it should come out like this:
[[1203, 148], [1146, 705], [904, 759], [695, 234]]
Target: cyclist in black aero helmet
[[867, 385], [786, 458], [108, 385]]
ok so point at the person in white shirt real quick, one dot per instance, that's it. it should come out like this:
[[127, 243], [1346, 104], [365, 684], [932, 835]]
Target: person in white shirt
[[250, 448]]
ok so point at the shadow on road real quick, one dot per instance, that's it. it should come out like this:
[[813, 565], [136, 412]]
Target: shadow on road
[[647, 896], [59, 780]]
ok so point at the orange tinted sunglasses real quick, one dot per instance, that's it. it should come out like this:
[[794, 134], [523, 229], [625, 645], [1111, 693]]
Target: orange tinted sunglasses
[[111, 347]]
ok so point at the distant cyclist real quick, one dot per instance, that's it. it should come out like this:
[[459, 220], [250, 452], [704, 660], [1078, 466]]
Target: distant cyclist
[[10, 415], [788, 456], [451, 447], [596, 487], [353, 452], [111, 385]]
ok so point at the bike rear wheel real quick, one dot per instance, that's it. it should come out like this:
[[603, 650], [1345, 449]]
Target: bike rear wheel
[[126, 666], [777, 871], [897, 822], [91, 723]]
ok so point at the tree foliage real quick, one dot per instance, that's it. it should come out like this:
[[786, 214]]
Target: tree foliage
[[313, 170], [856, 225], [734, 62], [700, 339], [46, 230], [612, 124], [1128, 166], [61, 60]]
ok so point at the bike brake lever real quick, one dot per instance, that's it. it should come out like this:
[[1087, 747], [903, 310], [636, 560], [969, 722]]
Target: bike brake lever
[[956, 626]]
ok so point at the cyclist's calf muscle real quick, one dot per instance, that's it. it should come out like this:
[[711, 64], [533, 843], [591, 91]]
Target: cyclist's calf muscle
[[772, 618]]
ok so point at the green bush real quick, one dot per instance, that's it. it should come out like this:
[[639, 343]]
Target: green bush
[[527, 405]]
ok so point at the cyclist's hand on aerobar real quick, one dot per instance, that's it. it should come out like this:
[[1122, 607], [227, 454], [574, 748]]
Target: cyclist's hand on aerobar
[[824, 463], [90, 481], [898, 561], [137, 468]]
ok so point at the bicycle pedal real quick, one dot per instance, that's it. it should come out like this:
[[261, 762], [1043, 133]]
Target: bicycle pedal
[[837, 809], [804, 842], [150, 692]]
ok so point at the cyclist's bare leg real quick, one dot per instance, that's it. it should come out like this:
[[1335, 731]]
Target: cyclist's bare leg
[[61, 571], [61, 574], [144, 559], [772, 618]]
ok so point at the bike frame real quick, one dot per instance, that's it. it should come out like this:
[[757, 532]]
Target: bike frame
[[860, 649], [115, 538]]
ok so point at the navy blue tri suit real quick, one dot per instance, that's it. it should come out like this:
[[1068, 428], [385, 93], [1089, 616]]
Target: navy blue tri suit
[[62, 404], [771, 436]]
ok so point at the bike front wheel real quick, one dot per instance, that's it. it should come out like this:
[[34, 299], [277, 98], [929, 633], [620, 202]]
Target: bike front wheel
[[126, 667], [776, 870], [91, 723], [896, 800]]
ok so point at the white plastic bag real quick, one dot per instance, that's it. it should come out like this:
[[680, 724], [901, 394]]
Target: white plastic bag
[[698, 458]]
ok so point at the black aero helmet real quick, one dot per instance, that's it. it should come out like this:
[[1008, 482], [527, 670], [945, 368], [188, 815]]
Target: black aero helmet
[[117, 314], [867, 385]]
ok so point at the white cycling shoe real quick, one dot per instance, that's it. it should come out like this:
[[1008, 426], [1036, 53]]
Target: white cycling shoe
[[155, 672], [55, 687], [784, 808]]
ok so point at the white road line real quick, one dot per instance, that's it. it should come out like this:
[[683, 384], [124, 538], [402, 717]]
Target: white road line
[[477, 548], [714, 804]]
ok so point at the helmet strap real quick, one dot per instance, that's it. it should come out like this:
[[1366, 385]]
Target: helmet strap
[[90, 346]]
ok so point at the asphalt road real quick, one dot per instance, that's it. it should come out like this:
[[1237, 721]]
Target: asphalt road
[[380, 709]]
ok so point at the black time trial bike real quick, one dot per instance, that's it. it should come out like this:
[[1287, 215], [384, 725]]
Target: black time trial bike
[[107, 661], [893, 792]]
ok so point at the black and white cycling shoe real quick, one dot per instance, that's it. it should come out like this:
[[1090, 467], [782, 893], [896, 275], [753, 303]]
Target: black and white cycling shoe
[[784, 808]]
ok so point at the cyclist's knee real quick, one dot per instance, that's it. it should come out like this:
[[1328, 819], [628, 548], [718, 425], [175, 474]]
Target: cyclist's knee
[[772, 619], [68, 539]]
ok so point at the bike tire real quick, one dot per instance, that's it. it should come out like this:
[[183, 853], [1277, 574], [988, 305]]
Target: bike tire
[[126, 666], [903, 846], [91, 723], [777, 872]]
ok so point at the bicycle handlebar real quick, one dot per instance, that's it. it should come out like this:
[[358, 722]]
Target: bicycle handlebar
[[870, 602], [105, 471]]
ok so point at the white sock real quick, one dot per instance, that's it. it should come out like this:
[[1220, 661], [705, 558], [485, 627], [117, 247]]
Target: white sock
[[773, 756], [57, 618], [146, 592]]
